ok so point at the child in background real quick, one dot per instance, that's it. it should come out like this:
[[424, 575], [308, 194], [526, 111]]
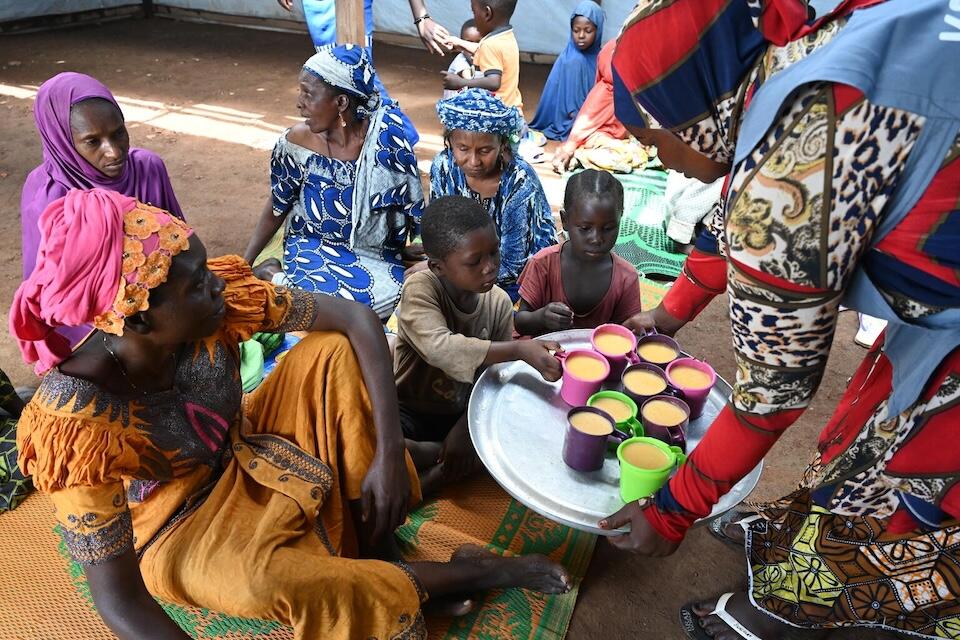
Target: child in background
[[452, 322], [462, 65], [573, 74], [497, 55], [581, 284]]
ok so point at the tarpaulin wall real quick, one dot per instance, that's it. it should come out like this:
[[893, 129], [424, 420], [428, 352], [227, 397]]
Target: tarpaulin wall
[[542, 26]]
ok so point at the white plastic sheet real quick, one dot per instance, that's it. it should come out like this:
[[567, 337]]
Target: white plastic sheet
[[21, 9]]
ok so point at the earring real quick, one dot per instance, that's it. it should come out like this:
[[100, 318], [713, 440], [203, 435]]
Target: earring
[[343, 122]]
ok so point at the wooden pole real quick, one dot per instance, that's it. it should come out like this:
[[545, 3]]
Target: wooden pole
[[350, 25]]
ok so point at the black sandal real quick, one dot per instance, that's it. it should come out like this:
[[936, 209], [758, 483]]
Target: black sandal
[[690, 621]]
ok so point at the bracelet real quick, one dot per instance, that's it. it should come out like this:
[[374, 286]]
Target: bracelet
[[425, 16]]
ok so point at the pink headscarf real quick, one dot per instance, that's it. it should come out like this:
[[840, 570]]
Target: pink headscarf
[[92, 258]]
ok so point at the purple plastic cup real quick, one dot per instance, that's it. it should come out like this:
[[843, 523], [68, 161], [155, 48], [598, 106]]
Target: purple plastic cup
[[585, 451], [575, 389], [695, 397], [672, 434], [636, 396], [618, 361], [656, 338]]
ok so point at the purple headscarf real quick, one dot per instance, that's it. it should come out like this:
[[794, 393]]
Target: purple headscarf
[[144, 176]]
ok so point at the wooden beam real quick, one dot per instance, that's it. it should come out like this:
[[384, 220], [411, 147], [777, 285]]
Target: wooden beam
[[350, 25]]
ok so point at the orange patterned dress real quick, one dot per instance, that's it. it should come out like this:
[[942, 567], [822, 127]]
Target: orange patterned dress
[[232, 503]]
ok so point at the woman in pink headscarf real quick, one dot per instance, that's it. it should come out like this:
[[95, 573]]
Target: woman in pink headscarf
[[169, 482], [85, 145]]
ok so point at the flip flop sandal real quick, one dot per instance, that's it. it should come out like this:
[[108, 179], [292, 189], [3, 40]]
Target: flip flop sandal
[[717, 527], [690, 622]]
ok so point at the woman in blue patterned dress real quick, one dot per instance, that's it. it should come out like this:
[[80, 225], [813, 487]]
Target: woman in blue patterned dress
[[345, 183], [479, 162]]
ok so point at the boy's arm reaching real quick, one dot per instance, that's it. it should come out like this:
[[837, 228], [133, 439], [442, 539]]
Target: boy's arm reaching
[[490, 81], [537, 353], [463, 46]]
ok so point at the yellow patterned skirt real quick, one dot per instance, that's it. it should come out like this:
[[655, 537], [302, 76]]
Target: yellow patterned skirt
[[811, 568]]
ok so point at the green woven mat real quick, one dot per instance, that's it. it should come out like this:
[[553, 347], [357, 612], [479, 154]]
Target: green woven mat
[[195, 622], [479, 512]]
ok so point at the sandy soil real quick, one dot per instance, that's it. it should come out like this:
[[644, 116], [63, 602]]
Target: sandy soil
[[211, 100]]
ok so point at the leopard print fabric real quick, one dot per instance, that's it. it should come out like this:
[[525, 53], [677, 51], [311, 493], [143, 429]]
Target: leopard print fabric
[[801, 211]]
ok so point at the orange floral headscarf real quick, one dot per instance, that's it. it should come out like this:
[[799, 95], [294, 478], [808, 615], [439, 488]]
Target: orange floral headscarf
[[151, 239], [100, 254]]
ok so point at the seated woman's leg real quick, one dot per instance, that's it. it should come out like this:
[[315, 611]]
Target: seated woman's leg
[[316, 399], [260, 570]]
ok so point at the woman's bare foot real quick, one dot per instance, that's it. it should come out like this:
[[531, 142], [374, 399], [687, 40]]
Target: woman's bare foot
[[534, 572], [740, 608]]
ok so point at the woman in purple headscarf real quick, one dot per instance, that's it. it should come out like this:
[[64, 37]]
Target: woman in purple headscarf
[[85, 145]]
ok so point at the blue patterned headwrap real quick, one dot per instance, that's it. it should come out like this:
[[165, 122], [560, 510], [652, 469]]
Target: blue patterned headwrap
[[479, 111], [347, 67]]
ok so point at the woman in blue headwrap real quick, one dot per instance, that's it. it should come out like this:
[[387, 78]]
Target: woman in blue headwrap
[[572, 75], [346, 184], [479, 161]]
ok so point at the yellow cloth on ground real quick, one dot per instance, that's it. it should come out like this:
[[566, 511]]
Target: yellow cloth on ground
[[243, 511], [651, 293], [602, 152]]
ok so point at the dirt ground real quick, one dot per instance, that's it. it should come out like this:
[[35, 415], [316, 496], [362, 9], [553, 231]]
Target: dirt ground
[[211, 101]]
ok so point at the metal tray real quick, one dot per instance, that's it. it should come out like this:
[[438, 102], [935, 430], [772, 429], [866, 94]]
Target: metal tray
[[517, 422]]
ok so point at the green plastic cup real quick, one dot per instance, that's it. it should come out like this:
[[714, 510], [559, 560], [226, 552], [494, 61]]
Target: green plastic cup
[[630, 425], [637, 482]]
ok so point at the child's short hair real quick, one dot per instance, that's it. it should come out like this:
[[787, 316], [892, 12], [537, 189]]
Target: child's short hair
[[467, 24], [502, 7], [447, 220], [591, 183]]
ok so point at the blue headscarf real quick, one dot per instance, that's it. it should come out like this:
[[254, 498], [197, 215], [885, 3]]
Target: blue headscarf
[[347, 67], [479, 111], [573, 75]]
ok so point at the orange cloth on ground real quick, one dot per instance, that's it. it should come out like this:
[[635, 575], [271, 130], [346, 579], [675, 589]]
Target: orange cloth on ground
[[239, 510], [499, 51]]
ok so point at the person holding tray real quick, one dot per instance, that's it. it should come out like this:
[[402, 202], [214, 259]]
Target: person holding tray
[[842, 187]]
